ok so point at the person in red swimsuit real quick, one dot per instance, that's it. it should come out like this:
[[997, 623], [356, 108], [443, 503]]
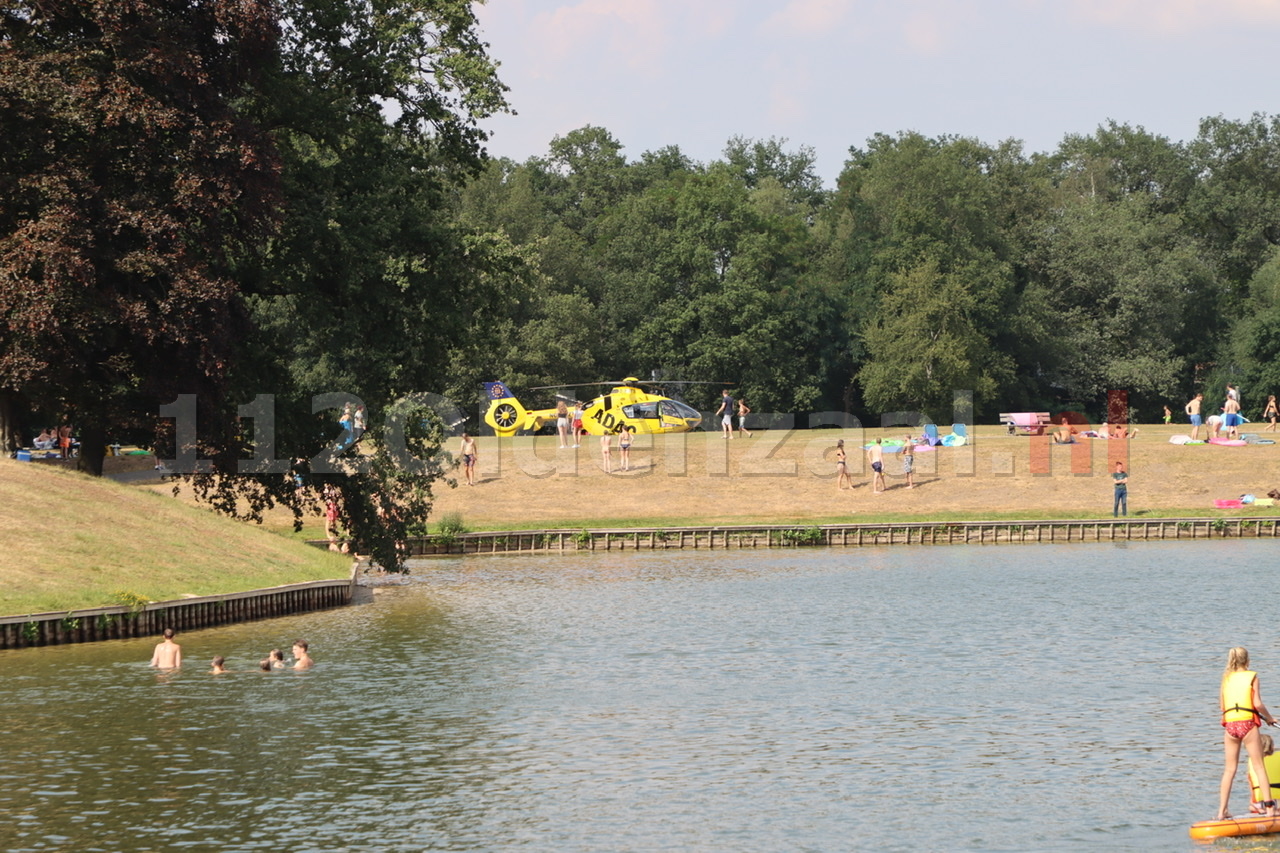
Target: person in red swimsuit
[[1242, 713]]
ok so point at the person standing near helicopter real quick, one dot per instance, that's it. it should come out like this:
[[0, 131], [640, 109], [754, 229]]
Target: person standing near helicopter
[[578, 431], [725, 412], [562, 423]]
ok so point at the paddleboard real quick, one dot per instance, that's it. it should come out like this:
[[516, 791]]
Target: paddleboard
[[1232, 827]]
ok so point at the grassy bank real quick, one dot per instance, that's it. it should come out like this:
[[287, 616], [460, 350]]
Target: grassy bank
[[72, 541], [778, 477]]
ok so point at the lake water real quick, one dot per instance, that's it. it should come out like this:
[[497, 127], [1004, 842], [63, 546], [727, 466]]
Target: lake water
[[1002, 698]]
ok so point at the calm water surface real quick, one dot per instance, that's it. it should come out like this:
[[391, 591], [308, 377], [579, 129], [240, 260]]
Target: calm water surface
[[984, 698]]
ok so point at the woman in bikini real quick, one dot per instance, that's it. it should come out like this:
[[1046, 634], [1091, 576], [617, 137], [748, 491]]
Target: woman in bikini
[[1271, 413], [1242, 714], [842, 467], [624, 447]]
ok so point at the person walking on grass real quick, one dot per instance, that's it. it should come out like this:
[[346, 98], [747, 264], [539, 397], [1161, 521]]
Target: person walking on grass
[[725, 413], [875, 454], [1271, 413], [743, 411], [469, 457], [842, 467], [909, 461]]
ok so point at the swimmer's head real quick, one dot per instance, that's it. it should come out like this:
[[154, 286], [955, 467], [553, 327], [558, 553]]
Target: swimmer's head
[[168, 633], [219, 660], [265, 665], [276, 654], [300, 644], [1237, 659]]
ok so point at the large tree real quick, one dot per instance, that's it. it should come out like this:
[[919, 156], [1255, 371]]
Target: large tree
[[370, 282], [129, 180]]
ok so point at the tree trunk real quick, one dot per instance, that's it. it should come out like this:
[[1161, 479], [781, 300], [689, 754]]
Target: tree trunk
[[93, 446], [10, 429]]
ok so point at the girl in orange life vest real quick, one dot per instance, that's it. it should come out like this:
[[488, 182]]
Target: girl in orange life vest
[[1242, 713]]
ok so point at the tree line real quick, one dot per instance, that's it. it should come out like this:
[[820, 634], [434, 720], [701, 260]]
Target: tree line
[[237, 198], [1122, 260]]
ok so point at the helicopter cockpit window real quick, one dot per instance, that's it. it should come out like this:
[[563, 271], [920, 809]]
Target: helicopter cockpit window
[[641, 410], [674, 409]]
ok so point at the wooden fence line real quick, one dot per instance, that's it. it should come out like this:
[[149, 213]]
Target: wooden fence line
[[720, 537], [185, 614]]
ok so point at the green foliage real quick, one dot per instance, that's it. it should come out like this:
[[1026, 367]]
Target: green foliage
[[451, 524], [294, 200], [582, 538], [135, 602], [803, 536], [132, 180]]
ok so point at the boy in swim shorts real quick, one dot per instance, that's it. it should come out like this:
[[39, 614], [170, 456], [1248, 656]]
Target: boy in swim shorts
[[875, 453], [1193, 412]]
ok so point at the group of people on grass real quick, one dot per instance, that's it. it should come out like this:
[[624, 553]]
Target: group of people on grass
[[875, 456], [168, 656], [1231, 418], [56, 438]]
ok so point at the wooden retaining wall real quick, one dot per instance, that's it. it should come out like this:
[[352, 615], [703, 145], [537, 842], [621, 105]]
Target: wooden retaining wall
[[186, 614], [843, 535]]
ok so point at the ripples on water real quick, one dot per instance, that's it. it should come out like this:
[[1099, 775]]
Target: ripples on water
[[987, 698]]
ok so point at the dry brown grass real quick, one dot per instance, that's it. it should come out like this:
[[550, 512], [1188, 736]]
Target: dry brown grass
[[699, 478], [72, 541]]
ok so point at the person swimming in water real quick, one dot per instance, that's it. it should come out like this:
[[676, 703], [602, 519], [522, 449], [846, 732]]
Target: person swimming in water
[[1240, 701], [301, 658], [167, 654]]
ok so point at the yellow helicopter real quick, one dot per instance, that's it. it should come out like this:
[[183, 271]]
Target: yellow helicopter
[[626, 403]]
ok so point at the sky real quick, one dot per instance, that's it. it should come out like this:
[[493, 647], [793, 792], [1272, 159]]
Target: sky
[[830, 74]]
